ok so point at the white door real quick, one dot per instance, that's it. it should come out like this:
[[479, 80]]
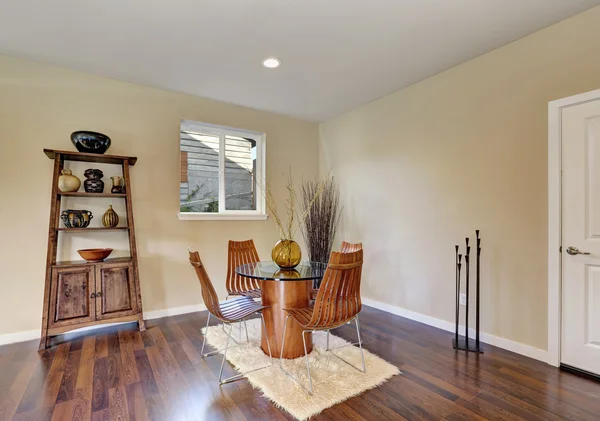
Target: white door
[[580, 334]]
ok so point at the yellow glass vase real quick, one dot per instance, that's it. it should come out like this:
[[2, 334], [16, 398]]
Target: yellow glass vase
[[286, 254]]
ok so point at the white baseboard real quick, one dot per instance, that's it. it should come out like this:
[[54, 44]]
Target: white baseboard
[[157, 314], [29, 335], [516, 347], [519, 348], [26, 335]]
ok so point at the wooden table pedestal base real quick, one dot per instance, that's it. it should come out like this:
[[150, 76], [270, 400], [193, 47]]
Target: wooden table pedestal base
[[279, 295]]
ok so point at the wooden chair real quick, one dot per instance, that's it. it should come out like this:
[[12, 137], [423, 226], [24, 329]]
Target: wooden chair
[[240, 253], [346, 248], [338, 302], [229, 312], [350, 247]]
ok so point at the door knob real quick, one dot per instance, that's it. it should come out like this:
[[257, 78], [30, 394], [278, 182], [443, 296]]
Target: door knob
[[574, 250]]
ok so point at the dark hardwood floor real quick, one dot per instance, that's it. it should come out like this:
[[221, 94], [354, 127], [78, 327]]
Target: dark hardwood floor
[[120, 374]]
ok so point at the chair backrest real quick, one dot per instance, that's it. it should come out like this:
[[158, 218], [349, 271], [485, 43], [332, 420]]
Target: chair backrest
[[240, 253], [209, 295], [338, 299], [350, 247]]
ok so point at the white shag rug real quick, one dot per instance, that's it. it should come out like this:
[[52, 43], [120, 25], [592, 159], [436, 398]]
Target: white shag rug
[[334, 381]]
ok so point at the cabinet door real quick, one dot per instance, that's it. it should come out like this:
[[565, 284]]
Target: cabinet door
[[115, 291], [70, 297]]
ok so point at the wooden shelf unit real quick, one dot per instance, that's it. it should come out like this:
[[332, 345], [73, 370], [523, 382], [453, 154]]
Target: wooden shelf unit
[[91, 229], [79, 293], [90, 157], [84, 263], [86, 194]]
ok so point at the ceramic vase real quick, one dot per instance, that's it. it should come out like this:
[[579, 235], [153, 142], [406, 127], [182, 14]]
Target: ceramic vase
[[110, 219], [118, 184], [93, 184], [286, 254], [67, 182], [76, 218]]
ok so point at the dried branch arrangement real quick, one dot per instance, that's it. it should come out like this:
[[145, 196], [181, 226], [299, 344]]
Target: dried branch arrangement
[[294, 221], [320, 201]]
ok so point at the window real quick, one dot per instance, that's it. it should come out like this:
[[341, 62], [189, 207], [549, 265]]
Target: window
[[222, 171]]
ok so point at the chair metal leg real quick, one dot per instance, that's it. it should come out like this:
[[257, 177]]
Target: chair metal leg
[[307, 363], [230, 337], [359, 343], [208, 354], [246, 327], [364, 370], [225, 354], [287, 373], [264, 326], [236, 341], [205, 333], [283, 340], [310, 390]]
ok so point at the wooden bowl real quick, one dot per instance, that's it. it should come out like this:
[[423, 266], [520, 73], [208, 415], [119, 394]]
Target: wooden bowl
[[94, 255]]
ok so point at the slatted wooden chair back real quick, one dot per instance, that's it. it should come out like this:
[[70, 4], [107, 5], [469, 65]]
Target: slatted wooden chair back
[[350, 247], [338, 299], [346, 248], [209, 295], [240, 253]]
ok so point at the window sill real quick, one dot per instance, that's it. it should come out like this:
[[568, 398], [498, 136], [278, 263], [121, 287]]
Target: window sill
[[191, 216]]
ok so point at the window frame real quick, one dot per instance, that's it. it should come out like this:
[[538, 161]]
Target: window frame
[[260, 176]]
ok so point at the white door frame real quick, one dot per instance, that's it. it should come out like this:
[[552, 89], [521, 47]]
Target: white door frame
[[554, 217]]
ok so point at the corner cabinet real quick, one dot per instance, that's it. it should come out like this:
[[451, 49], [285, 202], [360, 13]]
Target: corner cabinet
[[80, 294]]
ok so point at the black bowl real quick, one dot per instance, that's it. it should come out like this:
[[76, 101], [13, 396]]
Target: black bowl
[[90, 142]]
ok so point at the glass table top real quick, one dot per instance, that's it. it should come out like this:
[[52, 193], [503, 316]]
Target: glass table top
[[270, 271]]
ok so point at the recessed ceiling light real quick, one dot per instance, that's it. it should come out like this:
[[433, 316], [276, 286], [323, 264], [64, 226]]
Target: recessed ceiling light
[[271, 62]]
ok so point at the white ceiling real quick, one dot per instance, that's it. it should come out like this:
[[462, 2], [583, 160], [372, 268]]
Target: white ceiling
[[336, 54]]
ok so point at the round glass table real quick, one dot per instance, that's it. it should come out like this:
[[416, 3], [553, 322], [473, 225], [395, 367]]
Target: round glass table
[[281, 289]]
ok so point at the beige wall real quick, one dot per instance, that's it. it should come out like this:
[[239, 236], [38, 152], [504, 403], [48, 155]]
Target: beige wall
[[424, 167], [41, 105]]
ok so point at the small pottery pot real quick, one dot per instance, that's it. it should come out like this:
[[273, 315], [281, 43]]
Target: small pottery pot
[[90, 142], [67, 182], [286, 254], [94, 255], [118, 184], [110, 219], [93, 184], [76, 218]]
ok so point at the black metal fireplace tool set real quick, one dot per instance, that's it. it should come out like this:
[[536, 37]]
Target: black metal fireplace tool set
[[464, 342]]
